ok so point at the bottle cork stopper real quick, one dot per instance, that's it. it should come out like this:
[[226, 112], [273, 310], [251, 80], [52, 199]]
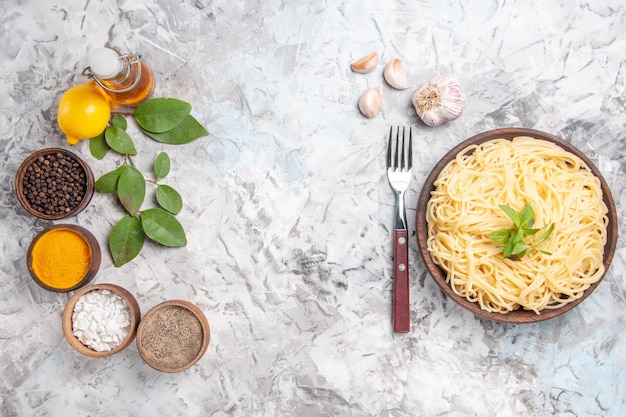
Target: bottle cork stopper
[[105, 63]]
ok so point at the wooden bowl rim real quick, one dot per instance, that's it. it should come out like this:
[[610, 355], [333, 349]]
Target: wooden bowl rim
[[19, 183], [439, 276], [66, 320], [199, 314], [94, 246]]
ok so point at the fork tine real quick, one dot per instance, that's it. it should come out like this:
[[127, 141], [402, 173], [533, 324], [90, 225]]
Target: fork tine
[[389, 147], [398, 156], [397, 162], [410, 154]]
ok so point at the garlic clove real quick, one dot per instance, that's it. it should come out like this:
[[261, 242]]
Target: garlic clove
[[366, 64], [370, 102], [439, 101], [395, 75]]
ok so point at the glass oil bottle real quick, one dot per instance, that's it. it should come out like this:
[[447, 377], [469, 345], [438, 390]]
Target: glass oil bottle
[[125, 78]]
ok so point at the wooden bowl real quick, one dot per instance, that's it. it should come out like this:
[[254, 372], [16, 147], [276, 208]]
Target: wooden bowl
[[173, 336], [94, 264], [135, 316], [74, 200], [439, 275]]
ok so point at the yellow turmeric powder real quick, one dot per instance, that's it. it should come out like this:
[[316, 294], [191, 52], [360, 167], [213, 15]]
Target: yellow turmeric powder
[[61, 258]]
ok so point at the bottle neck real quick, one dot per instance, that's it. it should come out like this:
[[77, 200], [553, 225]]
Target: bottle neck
[[124, 78]]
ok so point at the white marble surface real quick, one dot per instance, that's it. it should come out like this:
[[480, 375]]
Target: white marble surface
[[288, 211]]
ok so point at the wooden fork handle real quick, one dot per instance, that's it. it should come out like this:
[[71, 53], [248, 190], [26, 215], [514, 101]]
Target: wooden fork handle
[[401, 308]]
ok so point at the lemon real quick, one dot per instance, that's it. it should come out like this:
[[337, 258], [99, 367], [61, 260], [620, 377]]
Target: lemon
[[84, 112]]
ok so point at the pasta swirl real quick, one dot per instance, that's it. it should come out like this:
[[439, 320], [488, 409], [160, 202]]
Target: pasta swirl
[[464, 208]]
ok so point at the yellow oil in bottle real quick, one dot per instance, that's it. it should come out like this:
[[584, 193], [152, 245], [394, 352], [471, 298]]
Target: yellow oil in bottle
[[126, 79]]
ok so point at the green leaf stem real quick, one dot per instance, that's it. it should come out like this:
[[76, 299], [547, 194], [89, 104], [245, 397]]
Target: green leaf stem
[[168, 121]]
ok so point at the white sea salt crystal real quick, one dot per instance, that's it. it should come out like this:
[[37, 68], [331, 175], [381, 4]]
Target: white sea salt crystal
[[101, 320], [83, 324]]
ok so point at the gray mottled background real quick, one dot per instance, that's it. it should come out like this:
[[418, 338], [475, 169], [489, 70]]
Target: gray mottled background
[[288, 212]]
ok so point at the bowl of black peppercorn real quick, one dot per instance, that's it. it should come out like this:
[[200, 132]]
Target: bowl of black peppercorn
[[54, 183]]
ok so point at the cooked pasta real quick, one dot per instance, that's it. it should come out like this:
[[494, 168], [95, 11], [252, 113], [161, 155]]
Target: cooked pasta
[[464, 209]]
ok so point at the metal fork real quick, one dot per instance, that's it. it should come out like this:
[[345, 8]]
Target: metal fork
[[399, 165]]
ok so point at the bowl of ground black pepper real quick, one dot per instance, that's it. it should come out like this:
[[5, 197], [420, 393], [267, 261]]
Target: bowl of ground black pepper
[[173, 336], [54, 183]]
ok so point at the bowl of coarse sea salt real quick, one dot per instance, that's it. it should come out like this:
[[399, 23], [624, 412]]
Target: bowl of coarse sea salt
[[100, 320]]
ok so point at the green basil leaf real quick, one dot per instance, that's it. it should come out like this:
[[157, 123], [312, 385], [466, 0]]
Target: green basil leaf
[[107, 183], [162, 165], [500, 236], [545, 252], [527, 231], [512, 214], [526, 215], [520, 249], [507, 250], [162, 227], [545, 235], [119, 140], [159, 115], [131, 189], [126, 240], [119, 121], [514, 239], [98, 146], [187, 131], [169, 198]]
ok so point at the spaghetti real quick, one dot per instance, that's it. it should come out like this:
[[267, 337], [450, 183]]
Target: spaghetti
[[464, 209]]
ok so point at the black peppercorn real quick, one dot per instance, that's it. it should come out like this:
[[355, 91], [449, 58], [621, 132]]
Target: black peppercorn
[[54, 184]]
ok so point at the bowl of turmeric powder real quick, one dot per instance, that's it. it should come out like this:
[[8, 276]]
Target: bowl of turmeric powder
[[63, 257]]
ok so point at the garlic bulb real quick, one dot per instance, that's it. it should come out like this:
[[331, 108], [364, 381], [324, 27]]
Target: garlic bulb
[[394, 74], [366, 64], [370, 102], [439, 101]]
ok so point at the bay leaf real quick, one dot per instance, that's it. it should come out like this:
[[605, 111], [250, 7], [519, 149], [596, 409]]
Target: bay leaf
[[126, 240], [169, 198], [162, 165], [119, 121], [98, 146], [162, 227], [131, 189], [161, 114], [107, 183], [187, 131], [119, 141]]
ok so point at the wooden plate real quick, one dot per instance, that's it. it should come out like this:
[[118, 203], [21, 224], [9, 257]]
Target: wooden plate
[[439, 275]]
